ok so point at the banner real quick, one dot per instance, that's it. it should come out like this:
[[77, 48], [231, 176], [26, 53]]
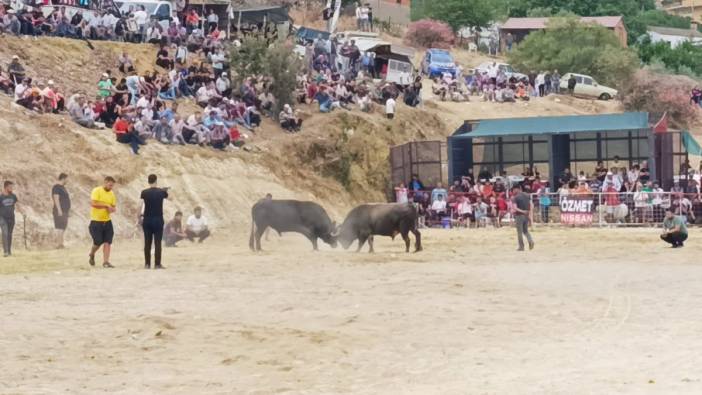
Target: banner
[[576, 210]]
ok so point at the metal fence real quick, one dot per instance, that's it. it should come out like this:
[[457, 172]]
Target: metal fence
[[554, 209]]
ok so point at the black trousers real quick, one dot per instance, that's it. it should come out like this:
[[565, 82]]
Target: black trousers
[[7, 225], [153, 233], [676, 239]]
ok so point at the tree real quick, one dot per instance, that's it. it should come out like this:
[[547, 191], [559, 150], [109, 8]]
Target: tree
[[278, 61], [461, 13], [571, 46], [283, 65], [428, 33], [653, 92], [637, 26], [686, 58]]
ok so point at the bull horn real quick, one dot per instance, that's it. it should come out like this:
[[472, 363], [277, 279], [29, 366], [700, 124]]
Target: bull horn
[[337, 229]]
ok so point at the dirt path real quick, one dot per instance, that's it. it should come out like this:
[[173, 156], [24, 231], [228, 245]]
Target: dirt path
[[589, 311]]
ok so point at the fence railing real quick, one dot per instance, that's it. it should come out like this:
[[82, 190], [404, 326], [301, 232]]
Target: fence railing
[[572, 209]]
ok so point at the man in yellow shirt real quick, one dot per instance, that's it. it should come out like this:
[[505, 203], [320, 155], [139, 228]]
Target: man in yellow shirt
[[102, 204]]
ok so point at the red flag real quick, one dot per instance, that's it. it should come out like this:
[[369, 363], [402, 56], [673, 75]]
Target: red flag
[[662, 125]]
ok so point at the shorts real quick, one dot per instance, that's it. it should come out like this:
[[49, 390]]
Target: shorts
[[61, 221], [101, 232]]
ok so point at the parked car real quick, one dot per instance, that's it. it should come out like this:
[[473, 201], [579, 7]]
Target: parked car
[[437, 62], [586, 86], [506, 68]]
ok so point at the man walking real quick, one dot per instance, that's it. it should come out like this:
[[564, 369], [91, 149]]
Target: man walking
[[152, 221], [675, 230], [102, 204], [61, 202], [8, 201], [522, 214]]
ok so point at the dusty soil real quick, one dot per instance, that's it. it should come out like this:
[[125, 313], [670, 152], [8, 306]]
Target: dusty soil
[[588, 311]]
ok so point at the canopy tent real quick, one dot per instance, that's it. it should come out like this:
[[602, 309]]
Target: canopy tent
[[556, 125], [691, 145]]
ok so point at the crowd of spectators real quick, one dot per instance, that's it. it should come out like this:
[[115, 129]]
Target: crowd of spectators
[[621, 194], [193, 63]]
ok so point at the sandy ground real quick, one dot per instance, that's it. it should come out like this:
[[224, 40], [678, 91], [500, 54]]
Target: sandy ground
[[588, 311]]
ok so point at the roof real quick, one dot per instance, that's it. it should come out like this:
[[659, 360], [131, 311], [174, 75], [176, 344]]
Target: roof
[[558, 125], [540, 23], [670, 31], [438, 50]]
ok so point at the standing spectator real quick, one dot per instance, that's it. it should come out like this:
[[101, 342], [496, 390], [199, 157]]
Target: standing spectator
[[556, 82], [522, 215], [675, 231], [544, 203], [439, 190], [102, 203], [197, 226], [16, 70], [8, 202], [572, 82], [61, 202], [509, 41], [141, 18], [390, 108], [401, 194], [359, 21], [152, 220], [212, 21], [174, 230]]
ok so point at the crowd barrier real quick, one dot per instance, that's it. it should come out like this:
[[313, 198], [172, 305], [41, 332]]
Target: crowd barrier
[[573, 209]]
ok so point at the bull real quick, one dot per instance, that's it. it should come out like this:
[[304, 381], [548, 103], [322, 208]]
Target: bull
[[307, 218], [365, 221]]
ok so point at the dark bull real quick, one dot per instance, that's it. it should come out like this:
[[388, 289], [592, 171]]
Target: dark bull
[[307, 218], [365, 221]]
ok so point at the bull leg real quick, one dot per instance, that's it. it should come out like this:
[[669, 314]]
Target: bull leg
[[405, 237], [361, 241], [370, 244], [258, 235], [313, 239], [417, 240]]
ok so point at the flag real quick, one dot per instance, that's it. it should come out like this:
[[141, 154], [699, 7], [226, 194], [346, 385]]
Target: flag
[[662, 125]]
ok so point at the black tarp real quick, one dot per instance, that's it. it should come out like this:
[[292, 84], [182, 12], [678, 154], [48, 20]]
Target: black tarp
[[256, 15]]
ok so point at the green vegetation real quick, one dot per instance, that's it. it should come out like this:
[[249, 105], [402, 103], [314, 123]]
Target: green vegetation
[[278, 61], [571, 46], [684, 59], [456, 13]]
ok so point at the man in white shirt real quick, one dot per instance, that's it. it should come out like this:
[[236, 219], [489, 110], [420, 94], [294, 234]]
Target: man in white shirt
[[196, 226], [20, 89], [390, 108], [439, 205], [223, 85], [141, 18]]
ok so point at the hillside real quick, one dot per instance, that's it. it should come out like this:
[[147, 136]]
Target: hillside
[[339, 159]]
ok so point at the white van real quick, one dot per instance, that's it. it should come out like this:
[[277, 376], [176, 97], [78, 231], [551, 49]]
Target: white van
[[161, 10]]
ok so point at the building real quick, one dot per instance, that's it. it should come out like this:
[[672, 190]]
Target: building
[[673, 36], [552, 144], [685, 8], [521, 27]]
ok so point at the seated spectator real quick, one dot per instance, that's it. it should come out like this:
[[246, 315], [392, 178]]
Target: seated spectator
[[78, 115], [15, 69], [438, 208], [162, 131], [480, 210], [6, 84], [163, 60], [173, 232], [289, 120], [197, 226], [126, 134], [154, 33], [125, 64]]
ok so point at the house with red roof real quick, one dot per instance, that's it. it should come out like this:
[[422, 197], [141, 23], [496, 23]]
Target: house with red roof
[[519, 28]]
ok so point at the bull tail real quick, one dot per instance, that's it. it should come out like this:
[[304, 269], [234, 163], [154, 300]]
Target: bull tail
[[253, 229]]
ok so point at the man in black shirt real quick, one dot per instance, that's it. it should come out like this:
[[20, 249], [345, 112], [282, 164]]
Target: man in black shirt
[[8, 201], [61, 207], [152, 221], [522, 215]]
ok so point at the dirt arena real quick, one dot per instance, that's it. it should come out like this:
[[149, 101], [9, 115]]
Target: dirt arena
[[588, 311]]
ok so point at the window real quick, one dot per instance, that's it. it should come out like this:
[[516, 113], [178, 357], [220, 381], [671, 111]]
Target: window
[[163, 12], [587, 81], [579, 79]]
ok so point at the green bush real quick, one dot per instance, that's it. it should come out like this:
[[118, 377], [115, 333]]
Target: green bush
[[571, 46], [683, 59]]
